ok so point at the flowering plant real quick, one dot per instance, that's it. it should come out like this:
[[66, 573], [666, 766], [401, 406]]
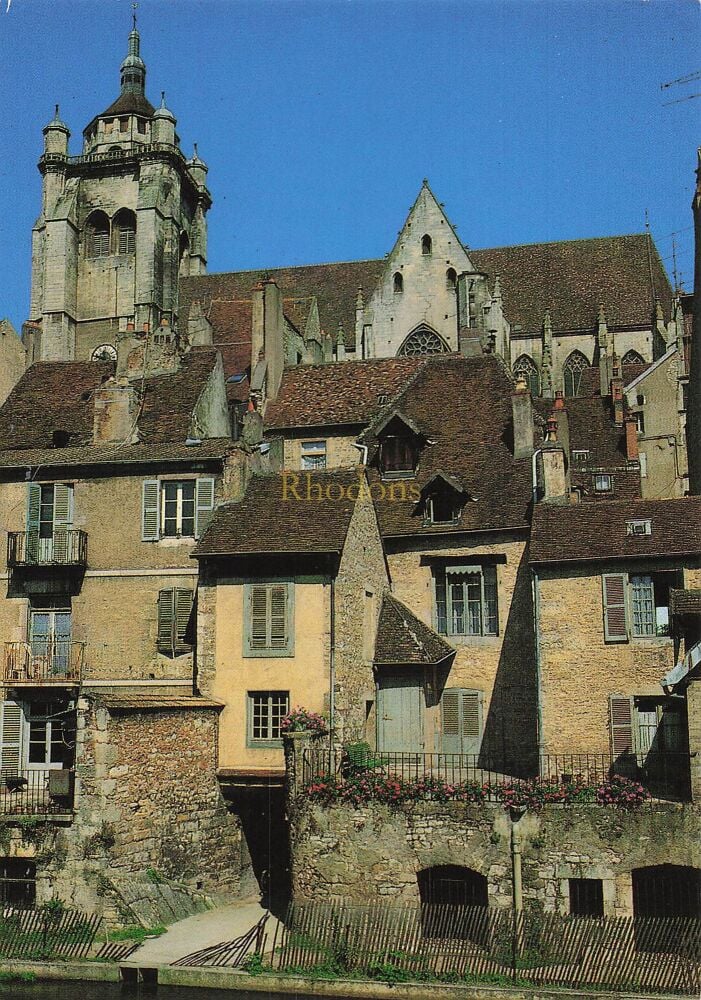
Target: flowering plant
[[301, 720]]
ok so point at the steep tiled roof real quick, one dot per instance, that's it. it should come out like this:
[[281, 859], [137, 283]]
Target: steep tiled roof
[[52, 396], [178, 452], [58, 396], [573, 277], [463, 406], [346, 392], [402, 638], [272, 518], [685, 602], [335, 287], [131, 103], [591, 383], [586, 532]]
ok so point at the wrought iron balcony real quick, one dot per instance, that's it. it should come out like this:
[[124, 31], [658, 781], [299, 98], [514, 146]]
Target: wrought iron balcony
[[67, 547], [35, 791], [57, 662]]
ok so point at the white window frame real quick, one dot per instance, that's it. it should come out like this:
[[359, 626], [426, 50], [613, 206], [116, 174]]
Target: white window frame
[[442, 574], [603, 482], [313, 455], [277, 707], [179, 502], [641, 526]]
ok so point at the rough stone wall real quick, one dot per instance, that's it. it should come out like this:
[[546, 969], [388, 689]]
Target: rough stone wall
[[579, 670], [362, 571], [12, 359], [389, 846], [502, 666]]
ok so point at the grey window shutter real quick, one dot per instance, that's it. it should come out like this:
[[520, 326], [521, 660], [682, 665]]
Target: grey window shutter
[[614, 599], [204, 504], [278, 615], [183, 607], [258, 617], [450, 710], [166, 620], [471, 722], [12, 732], [621, 713], [63, 518], [150, 513]]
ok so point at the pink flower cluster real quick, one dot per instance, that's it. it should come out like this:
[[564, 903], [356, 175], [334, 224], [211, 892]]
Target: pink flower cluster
[[301, 720]]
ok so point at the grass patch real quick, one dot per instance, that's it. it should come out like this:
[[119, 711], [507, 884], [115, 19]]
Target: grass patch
[[136, 933], [17, 977]]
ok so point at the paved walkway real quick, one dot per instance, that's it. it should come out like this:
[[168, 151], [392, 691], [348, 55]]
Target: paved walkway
[[201, 931]]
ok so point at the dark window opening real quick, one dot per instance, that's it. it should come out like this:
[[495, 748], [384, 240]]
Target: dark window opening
[[664, 891], [124, 226], [632, 358], [586, 897], [443, 507], [18, 882], [398, 455], [461, 889], [451, 278], [426, 245], [97, 231], [398, 283]]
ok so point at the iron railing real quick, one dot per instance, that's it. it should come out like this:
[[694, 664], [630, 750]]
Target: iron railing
[[67, 547], [33, 791], [49, 661], [663, 774]]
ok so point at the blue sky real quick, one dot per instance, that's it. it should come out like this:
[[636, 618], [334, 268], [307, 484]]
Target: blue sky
[[319, 118]]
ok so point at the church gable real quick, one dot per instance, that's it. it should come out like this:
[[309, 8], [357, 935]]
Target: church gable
[[418, 283]]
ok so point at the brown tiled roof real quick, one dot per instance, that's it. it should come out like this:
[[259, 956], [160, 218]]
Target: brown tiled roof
[[231, 332], [591, 384], [573, 277], [210, 450], [586, 532], [270, 518], [463, 406], [335, 287], [685, 602], [58, 396], [342, 393], [156, 703], [131, 103], [402, 638], [52, 396]]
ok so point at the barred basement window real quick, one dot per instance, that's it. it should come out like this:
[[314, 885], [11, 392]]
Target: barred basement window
[[586, 897], [266, 709], [174, 609], [18, 882]]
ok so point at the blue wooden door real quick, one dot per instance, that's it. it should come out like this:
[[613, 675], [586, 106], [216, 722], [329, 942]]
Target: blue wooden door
[[401, 712]]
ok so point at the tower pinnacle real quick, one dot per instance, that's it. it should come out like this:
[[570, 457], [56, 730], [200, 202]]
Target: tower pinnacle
[[133, 69]]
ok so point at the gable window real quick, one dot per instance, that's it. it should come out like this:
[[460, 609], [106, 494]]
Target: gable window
[[575, 366], [174, 608], [642, 527], [176, 508], [423, 341], [466, 600], [636, 606], [398, 283], [97, 235], [426, 245], [266, 710], [398, 456], [602, 483], [526, 369], [269, 619], [313, 454], [443, 507]]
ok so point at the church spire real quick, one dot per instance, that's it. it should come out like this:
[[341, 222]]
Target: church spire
[[133, 69]]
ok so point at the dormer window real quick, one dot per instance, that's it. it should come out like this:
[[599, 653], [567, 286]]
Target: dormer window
[[398, 456], [603, 483], [443, 508], [639, 527], [580, 456]]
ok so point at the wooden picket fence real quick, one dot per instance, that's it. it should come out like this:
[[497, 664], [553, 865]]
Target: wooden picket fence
[[44, 933], [654, 955]]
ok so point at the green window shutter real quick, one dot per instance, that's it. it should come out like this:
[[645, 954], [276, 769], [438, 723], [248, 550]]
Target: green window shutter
[[471, 722], [614, 599], [12, 732], [621, 714], [204, 504], [150, 513], [183, 608], [166, 621], [258, 617], [278, 615], [33, 505]]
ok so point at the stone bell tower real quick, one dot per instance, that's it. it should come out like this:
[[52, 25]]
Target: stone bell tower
[[118, 225]]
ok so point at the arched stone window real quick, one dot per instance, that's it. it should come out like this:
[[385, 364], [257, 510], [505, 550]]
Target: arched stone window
[[426, 245], [124, 232], [97, 235], [398, 283], [573, 369], [458, 887], [451, 278], [632, 358], [525, 368], [423, 340]]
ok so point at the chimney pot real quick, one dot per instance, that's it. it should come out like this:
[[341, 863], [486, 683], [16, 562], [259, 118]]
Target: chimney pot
[[559, 403], [146, 327]]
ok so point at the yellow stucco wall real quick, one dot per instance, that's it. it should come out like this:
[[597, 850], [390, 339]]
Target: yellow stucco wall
[[340, 453]]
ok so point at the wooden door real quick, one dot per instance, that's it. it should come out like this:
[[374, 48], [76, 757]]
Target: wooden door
[[401, 712]]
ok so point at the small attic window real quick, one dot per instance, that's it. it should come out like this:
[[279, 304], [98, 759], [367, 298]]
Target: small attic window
[[60, 439], [602, 484], [580, 456], [398, 283], [141, 126], [426, 245], [382, 398], [398, 456], [443, 508], [639, 527]]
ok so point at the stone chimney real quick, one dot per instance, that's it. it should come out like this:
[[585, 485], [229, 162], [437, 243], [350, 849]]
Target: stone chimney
[[199, 329], [552, 462], [115, 413], [617, 392], [693, 413], [268, 334], [559, 412], [130, 349], [631, 429], [522, 414], [237, 472]]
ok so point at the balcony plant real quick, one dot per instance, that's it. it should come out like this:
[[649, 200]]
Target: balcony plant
[[301, 720]]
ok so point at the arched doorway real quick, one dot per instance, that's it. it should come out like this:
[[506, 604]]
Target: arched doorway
[[454, 903], [670, 891]]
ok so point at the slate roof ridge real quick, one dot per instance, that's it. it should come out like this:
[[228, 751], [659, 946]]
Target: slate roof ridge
[[289, 267]]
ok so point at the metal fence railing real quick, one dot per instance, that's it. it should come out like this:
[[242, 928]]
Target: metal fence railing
[[66, 547], [442, 941], [663, 774], [44, 660], [36, 791]]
